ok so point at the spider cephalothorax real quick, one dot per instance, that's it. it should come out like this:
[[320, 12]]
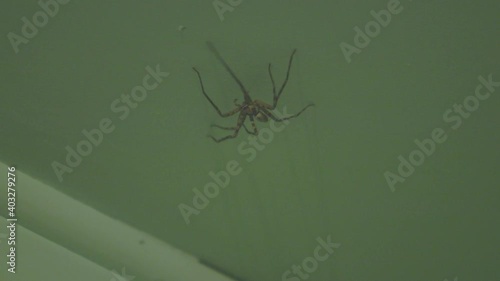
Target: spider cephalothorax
[[253, 109]]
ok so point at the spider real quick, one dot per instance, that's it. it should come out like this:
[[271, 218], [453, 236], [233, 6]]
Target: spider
[[253, 109]]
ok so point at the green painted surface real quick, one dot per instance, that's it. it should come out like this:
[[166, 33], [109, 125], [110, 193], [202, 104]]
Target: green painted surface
[[322, 175]]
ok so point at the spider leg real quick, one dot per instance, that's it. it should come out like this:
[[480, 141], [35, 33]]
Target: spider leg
[[272, 79], [241, 120], [276, 96], [232, 112], [255, 131], [228, 69], [270, 115], [230, 128]]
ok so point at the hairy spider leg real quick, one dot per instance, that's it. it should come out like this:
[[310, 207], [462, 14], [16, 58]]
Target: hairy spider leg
[[270, 115], [276, 96], [232, 112], [241, 120], [212, 48]]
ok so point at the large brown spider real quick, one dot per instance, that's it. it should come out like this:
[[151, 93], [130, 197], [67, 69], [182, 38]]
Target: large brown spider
[[253, 109]]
